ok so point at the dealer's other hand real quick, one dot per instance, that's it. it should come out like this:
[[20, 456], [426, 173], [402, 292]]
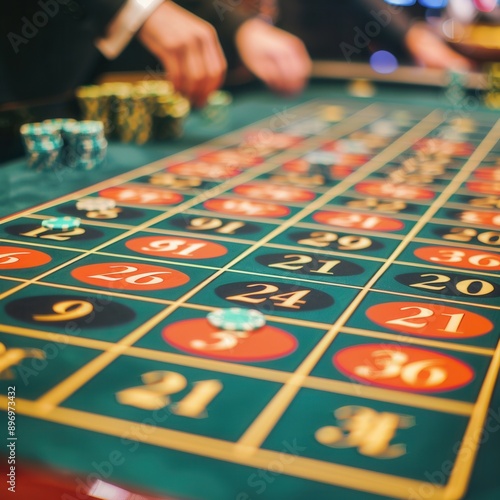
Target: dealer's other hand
[[276, 57]]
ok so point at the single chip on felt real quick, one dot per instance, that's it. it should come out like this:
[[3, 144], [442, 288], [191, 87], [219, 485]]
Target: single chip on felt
[[98, 203], [332, 113], [216, 109], [385, 128], [322, 157], [236, 319], [62, 223], [361, 88]]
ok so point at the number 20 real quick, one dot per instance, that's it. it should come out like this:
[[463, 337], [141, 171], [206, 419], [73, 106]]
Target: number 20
[[462, 286]]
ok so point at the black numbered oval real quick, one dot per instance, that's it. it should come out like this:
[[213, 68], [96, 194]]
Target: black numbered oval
[[61, 310], [37, 231], [322, 265], [116, 213], [450, 284], [269, 296], [469, 235], [214, 225], [342, 242]]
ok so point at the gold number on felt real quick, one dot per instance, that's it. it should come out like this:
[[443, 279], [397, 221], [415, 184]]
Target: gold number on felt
[[291, 300], [210, 223], [160, 385], [466, 235], [451, 327], [10, 258], [301, 260], [367, 430], [460, 234], [12, 357], [150, 278], [488, 202], [323, 239], [66, 310], [375, 204], [462, 286], [194, 404], [111, 213], [66, 235]]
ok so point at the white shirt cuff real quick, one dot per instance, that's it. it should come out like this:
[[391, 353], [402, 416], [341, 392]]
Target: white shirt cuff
[[125, 25]]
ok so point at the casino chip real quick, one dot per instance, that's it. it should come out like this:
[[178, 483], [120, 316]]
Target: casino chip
[[98, 203], [216, 110], [322, 157], [43, 145], [62, 223], [236, 319], [361, 87]]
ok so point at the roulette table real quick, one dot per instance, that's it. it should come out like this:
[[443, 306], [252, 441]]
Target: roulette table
[[366, 230]]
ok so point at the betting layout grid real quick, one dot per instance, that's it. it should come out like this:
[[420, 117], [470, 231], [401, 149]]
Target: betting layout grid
[[365, 234]]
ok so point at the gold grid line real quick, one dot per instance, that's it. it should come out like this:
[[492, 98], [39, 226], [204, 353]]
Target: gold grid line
[[249, 174], [301, 467], [77, 379], [266, 421]]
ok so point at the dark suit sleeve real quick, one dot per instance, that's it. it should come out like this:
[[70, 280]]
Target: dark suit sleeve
[[47, 46], [100, 12], [395, 20], [224, 17]]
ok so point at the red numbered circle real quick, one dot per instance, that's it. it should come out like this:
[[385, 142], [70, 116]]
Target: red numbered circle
[[488, 173], [176, 247], [390, 190], [246, 207], [435, 145], [429, 320], [484, 187], [302, 166], [142, 195], [273, 140], [274, 192], [130, 276], [403, 368], [344, 158], [232, 158], [204, 170], [358, 221], [21, 258], [198, 336], [480, 217], [460, 257]]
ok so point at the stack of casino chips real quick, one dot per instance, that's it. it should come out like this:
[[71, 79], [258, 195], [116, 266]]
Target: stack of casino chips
[[137, 113], [85, 146], [64, 143], [216, 110], [492, 95], [43, 144]]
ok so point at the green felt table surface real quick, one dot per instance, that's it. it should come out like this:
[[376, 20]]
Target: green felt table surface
[[142, 464], [21, 188]]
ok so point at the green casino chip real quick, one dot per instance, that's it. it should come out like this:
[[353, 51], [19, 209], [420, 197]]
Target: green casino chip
[[62, 223], [236, 319]]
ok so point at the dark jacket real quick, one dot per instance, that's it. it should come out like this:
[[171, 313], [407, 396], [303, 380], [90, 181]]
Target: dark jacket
[[47, 46]]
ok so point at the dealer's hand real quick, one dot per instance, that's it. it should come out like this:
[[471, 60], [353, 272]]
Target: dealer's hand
[[188, 49], [273, 55], [428, 49]]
